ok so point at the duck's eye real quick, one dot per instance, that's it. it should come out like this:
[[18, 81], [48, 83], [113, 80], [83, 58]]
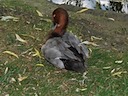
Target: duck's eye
[[58, 25], [54, 15]]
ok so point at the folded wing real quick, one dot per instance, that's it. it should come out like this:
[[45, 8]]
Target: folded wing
[[66, 52]]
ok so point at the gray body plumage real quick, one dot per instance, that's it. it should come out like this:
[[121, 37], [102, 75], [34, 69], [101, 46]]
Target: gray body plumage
[[58, 52]]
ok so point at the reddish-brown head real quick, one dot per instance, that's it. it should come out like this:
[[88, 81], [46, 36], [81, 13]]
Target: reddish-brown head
[[60, 20]]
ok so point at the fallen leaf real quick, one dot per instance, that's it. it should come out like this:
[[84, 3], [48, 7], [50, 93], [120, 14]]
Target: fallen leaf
[[11, 53], [94, 37], [73, 79], [27, 35], [119, 61], [105, 68], [6, 62], [85, 75], [7, 18], [6, 70], [90, 50], [26, 51], [36, 94], [6, 95], [113, 70], [37, 53], [119, 73], [112, 19], [40, 65], [114, 48], [124, 72], [20, 39], [78, 89], [83, 10], [38, 29], [89, 43], [22, 78], [39, 13], [12, 80], [28, 22]]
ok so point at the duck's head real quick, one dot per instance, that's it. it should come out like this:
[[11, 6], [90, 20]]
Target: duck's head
[[60, 21]]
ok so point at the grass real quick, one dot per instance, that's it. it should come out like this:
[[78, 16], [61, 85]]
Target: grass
[[22, 76]]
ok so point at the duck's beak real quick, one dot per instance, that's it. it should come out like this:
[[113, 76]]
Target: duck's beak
[[54, 26]]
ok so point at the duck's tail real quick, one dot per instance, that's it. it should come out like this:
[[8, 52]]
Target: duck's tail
[[74, 65]]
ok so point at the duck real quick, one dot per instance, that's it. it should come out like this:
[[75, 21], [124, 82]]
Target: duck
[[63, 49]]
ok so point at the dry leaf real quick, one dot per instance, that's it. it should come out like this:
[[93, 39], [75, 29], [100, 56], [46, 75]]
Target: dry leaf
[[78, 89], [39, 13], [107, 67], [27, 35], [119, 61], [6, 70], [113, 70], [73, 79], [37, 53], [40, 65], [85, 75], [81, 11], [12, 80], [6, 95], [94, 37], [20, 39], [28, 22], [36, 94], [119, 73], [11, 53], [38, 29], [26, 51], [89, 43], [90, 50], [7, 18], [22, 78], [112, 19]]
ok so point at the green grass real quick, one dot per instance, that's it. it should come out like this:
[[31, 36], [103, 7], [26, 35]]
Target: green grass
[[48, 80]]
